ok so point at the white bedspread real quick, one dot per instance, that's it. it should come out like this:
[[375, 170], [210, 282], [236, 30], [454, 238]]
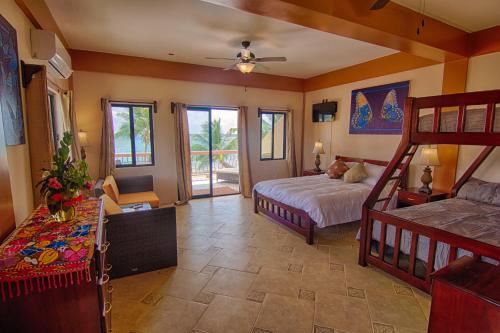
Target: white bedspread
[[327, 201]]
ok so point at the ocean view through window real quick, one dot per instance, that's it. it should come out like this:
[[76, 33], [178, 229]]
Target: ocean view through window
[[133, 134]]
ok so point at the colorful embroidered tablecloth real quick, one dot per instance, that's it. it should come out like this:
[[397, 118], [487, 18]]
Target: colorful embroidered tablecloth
[[44, 253]]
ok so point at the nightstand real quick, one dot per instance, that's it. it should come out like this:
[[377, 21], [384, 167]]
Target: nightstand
[[312, 172], [411, 197]]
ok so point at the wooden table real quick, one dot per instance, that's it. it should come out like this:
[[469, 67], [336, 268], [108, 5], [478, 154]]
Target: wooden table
[[411, 197], [466, 298]]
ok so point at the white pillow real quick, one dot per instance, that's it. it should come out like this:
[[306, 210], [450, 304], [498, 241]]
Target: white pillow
[[374, 173]]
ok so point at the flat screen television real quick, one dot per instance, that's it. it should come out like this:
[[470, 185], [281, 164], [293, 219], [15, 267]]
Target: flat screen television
[[324, 112]]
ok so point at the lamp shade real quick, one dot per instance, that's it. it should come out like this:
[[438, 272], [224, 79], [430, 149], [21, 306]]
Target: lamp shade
[[318, 148], [83, 139], [429, 156], [245, 67]]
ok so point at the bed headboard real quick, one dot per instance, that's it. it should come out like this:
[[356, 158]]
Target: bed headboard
[[360, 160], [404, 180]]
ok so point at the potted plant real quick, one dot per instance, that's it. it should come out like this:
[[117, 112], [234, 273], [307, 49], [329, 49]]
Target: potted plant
[[63, 184]]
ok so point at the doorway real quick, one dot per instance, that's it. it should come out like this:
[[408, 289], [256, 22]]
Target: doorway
[[213, 136]]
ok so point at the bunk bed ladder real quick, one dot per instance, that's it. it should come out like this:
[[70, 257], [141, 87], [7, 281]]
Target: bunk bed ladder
[[403, 165]]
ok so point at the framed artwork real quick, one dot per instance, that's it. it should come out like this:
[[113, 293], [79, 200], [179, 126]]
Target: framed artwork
[[11, 107], [378, 110]]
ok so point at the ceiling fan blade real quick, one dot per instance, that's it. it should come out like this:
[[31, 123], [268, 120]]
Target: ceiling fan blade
[[259, 65], [211, 58], [379, 4], [233, 66], [268, 59]]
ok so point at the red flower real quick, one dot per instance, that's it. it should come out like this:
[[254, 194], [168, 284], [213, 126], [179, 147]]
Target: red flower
[[68, 203], [89, 185], [56, 197], [54, 184]]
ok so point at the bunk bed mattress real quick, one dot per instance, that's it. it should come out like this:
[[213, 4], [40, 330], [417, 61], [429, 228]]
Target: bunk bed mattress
[[471, 219], [326, 201]]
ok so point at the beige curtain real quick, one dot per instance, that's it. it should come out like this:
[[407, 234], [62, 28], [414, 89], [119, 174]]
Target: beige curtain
[[107, 156], [243, 153], [183, 153], [70, 122], [290, 138]]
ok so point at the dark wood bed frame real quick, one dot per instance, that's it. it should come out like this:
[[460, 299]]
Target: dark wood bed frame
[[294, 218], [382, 257]]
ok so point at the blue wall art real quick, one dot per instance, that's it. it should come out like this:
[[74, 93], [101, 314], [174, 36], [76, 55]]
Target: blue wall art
[[378, 110]]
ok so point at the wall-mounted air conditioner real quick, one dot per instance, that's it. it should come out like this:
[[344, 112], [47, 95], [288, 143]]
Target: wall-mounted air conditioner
[[45, 45]]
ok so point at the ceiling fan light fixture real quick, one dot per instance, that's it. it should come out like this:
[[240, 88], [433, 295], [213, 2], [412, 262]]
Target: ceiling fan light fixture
[[245, 67]]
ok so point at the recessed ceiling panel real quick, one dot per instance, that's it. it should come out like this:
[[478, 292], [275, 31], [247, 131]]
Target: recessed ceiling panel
[[192, 30]]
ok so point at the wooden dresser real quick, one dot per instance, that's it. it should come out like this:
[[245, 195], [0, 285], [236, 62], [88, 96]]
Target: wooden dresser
[[65, 299], [466, 298]]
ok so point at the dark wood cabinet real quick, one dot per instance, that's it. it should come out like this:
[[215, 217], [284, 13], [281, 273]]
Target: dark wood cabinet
[[79, 307], [411, 197], [466, 298]]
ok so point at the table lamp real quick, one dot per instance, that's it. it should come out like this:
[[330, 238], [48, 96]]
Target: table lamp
[[84, 142], [318, 149], [428, 157]]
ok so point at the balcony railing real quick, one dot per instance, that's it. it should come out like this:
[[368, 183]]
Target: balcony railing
[[221, 159], [126, 158]]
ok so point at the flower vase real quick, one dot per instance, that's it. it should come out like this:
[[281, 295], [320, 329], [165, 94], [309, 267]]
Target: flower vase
[[62, 207]]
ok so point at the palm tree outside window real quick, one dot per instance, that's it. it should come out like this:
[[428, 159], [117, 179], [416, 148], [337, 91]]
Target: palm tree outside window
[[133, 134]]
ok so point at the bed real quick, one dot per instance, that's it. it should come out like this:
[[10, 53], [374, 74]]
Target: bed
[[412, 243], [301, 203]]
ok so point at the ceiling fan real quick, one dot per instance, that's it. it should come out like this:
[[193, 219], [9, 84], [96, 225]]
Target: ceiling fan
[[245, 60], [379, 4]]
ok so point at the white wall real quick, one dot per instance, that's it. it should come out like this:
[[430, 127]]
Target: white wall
[[483, 74], [423, 81], [90, 87]]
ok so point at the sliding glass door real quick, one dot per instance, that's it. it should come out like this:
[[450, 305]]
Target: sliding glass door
[[213, 134]]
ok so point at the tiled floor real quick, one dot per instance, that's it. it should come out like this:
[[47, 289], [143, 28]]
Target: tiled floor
[[239, 272]]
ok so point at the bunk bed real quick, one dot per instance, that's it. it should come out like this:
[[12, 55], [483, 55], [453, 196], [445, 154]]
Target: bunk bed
[[301, 203], [411, 243]]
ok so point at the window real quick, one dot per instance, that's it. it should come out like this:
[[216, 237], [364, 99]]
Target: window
[[272, 135], [133, 132]]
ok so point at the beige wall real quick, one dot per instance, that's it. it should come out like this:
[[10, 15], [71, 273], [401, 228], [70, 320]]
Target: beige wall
[[18, 156], [90, 87], [483, 74], [423, 81]]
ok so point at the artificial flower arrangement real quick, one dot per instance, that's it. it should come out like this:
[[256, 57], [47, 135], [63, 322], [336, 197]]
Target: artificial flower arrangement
[[63, 184]]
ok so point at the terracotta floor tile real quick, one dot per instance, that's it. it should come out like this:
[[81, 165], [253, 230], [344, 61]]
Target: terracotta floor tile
[[184, 284], [194, 260], [281, 314], [172, 315], [229, 315], [397, 310], [271, 259], [277, 282], [136, 287], [319, 276], [342, 313], [230, 283], [224, 248], [234, 259]]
